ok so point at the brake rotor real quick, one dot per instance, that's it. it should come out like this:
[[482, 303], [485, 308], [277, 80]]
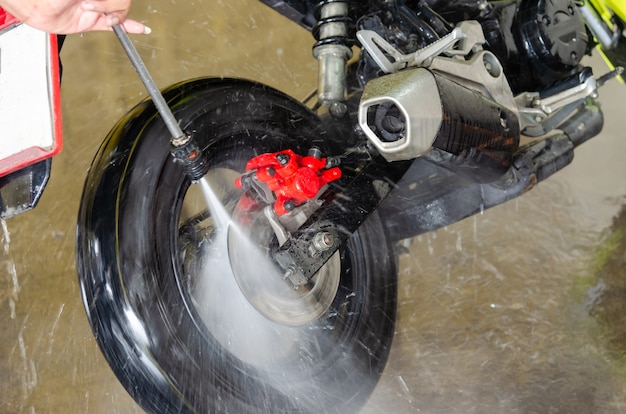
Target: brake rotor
[[263, 282]]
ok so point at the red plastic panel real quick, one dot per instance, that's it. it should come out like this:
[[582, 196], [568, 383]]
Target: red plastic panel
[[6, 19], [31, 155]]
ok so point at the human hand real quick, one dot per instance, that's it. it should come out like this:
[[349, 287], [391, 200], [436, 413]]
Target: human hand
[[74, 16], [111, 13]]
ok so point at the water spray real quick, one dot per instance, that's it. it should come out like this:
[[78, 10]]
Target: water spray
[[184, 148]]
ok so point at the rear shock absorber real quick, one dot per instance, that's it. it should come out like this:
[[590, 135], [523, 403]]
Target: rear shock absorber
[[332, 51]]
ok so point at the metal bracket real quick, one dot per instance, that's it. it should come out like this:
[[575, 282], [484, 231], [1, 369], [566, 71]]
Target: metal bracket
[[461, 41], [535, 110]]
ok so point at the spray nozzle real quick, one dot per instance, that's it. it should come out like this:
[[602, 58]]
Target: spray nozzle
[[186, 151]]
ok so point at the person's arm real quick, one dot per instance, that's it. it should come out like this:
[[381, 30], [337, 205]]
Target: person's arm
[[73, 16]]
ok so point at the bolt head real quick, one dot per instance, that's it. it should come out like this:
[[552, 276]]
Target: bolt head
[[282, 159]]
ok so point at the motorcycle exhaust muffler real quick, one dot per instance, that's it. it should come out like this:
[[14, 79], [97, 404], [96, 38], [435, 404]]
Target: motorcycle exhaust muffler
[[408, 113]]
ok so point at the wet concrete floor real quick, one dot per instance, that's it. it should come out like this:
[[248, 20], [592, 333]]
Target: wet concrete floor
[[517, 310]]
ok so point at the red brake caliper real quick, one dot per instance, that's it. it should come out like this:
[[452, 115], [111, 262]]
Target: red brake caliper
[[292, 178]]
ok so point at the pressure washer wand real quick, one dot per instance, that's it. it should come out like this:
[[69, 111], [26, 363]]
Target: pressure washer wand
[[183, 147]]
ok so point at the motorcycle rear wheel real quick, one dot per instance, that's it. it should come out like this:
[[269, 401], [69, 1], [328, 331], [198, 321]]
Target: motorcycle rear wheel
[[170, 318]]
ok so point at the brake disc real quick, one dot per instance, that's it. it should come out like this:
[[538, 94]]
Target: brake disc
[[251, 237]]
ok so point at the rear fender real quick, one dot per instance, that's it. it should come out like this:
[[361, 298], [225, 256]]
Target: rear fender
[[30, 106]]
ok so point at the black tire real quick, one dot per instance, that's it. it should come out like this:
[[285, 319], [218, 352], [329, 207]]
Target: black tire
[[137, 268]]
